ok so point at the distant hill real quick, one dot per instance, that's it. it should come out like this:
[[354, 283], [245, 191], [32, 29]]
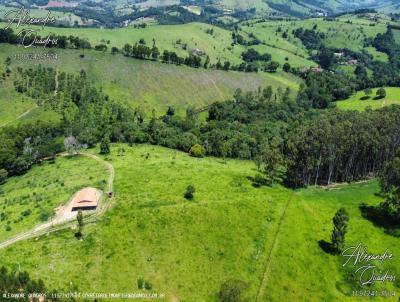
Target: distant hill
[[218, 12], [301, 8]]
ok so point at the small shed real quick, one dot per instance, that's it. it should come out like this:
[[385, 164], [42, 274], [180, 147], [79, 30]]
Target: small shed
[[86, 199]]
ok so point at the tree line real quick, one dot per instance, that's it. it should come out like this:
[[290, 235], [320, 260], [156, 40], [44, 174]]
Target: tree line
[[279, 131]]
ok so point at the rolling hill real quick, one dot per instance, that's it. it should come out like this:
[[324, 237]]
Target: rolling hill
[[154, 85]]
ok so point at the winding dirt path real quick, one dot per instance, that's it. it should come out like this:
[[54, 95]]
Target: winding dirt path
[[60, 221]]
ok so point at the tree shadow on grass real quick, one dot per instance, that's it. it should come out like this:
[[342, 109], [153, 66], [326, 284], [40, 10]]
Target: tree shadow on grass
[[380, 219], [327, 247]]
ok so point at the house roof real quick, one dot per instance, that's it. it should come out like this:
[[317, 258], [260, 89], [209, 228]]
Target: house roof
[[87, 197]]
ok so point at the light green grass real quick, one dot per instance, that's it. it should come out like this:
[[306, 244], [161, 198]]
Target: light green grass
[[12, 104], [16, 108], [186, 249], [355, 102], [379, 56], [282, 56], [396, 34], [194, 9], [154, 85], [300, 270], [44, 188], [339, 34], [217, 46]]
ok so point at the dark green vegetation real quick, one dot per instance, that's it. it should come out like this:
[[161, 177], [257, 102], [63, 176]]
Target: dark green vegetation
[[16, 284], [340, 222], [387, 213]]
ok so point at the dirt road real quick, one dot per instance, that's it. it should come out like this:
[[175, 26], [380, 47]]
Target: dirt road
[[63, 219]]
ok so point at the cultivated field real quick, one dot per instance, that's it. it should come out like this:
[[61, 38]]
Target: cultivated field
[[266, 237]]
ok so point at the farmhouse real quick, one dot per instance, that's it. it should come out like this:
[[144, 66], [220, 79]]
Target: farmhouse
[[86, 199]]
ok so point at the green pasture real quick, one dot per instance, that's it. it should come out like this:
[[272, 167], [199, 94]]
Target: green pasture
[[154, 85], [355, 102], [183, 38], [28, 200], [339, 34], [187, 249], [12, 104]]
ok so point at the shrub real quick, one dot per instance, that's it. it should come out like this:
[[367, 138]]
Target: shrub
[[8, 228], [3, 176], [380, 93], [197, 151], [26, 213], [189, 192], [44, 215], [147, 285], [286, 67], [140, 282], [259, 181], [105, 146], [232, 291]]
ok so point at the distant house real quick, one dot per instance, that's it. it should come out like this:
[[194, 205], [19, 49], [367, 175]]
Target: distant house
[[313, 69], [86, 199], [197, 52], [339, 54], [317, 69], [352, 62]]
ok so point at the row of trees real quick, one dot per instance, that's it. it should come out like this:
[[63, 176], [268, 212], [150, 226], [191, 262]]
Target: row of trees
[[342, 146], [8, 36]]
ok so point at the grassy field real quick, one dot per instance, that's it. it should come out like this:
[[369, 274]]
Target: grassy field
[[154, 85], [28, 200], [167, 37], [356, 103], [186, 249], [186, 38], [312, 274], [12, 104], [16, 108], [339, 34]]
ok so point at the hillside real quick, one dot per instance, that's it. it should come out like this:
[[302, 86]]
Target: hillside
[[357, 101], [349, 31], [187, 249], [155, 85], [121, 13]]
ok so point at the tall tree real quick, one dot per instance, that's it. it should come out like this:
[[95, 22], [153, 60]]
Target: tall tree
[[105, 145], [340, 222]]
